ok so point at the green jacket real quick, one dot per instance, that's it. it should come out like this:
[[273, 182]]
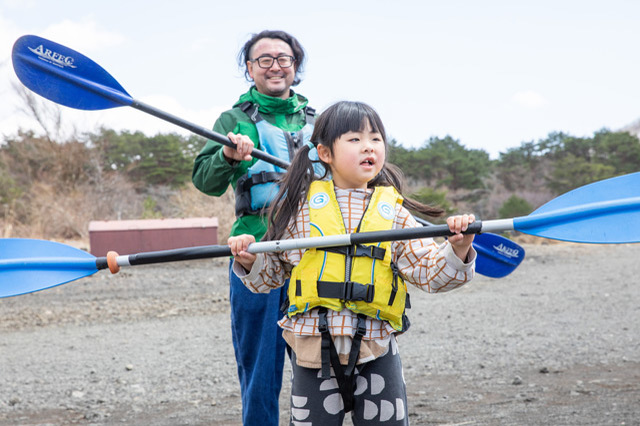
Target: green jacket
[[212, 174]]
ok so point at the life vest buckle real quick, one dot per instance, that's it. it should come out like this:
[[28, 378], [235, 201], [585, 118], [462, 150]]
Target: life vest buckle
[[323, 324], [353, 291], [261, 177], [361, 328]]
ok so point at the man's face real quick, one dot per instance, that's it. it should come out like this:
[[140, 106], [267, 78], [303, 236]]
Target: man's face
[[273, 81]]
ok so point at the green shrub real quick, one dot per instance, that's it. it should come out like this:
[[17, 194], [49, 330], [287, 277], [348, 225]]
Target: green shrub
[[515, 207], [432, 197]]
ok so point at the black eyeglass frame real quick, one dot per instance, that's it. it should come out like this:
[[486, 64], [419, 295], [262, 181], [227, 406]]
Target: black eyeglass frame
[[277, 58]]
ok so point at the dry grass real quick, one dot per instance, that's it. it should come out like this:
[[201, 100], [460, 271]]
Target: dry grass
[[63, 214], [189, 202], [51, 214]]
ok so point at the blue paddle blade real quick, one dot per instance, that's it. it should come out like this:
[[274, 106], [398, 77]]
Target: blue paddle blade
[[497, 255], [26, 265], [604, 212], [65, 76]]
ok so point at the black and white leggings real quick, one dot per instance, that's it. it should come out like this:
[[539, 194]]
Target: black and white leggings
[[380, 394]]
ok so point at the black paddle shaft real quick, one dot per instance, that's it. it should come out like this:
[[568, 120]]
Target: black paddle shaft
[[206, 252], [173, 255], [210, 134], [411, 233]]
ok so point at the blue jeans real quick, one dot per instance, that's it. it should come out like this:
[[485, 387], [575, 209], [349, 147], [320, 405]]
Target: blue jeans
[[259, 348]]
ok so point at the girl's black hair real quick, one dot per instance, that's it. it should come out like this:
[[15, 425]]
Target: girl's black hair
[[338, 119], [298, 52]]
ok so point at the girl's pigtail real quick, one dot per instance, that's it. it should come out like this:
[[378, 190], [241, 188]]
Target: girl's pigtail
[[392, 175]]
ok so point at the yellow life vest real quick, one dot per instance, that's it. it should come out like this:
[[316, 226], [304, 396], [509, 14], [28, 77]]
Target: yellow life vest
[[361, 278]]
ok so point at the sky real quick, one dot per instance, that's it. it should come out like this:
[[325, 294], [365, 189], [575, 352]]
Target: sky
[[490, 74]]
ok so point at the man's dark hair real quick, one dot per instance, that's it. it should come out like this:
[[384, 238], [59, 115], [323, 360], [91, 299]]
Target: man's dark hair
[[296, 47]]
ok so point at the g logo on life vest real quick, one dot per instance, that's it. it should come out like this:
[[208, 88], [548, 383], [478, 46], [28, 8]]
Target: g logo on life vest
[[319, 200], [386, 210]]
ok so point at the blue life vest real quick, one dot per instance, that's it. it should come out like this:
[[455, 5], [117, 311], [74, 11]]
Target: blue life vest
[[257, 188]]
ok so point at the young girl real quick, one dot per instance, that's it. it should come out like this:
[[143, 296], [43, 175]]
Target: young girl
[[347, 304]]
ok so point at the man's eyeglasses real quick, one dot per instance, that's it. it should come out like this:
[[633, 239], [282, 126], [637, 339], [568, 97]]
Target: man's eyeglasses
[[285, 61]]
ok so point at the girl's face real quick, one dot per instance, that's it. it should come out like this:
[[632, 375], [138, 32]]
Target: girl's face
[[357, 157]]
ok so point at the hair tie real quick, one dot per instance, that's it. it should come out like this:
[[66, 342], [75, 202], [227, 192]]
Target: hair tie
[[313, 151]]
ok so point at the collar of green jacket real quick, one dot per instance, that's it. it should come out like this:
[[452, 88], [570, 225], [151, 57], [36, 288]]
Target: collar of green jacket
[[270, 105]]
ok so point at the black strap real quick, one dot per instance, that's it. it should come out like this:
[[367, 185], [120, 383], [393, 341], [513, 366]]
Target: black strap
[[243, 191], [348, 291], [345, 382], [325, 348], [251, 110], [259, 178], [284, 307], [294, 140], [358, 250], [310, 114], [355, 345], [329, 356], [394, 283], [405, 322]]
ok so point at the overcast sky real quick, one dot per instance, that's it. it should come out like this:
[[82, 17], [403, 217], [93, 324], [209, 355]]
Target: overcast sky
[[491, 74]]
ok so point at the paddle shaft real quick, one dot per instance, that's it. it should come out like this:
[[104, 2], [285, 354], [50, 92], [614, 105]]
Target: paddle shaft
[[210, 134], [114, 261]]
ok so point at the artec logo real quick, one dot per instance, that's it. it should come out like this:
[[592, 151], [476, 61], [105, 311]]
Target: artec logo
[[53, 57]]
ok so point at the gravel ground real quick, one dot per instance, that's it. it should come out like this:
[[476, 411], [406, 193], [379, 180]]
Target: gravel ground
[[557, 342]]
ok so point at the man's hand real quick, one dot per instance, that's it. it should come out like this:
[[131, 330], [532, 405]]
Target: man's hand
[[242, 152]]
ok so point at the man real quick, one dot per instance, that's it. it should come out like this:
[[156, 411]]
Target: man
[[278, 121]]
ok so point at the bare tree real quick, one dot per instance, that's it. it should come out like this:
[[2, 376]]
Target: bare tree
[[47, 114]]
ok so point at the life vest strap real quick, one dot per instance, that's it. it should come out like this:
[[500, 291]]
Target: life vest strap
[[358, 250], [349, 291], [323, 328], [251, 110], [259, 178], [243, 194], [310, 113], [329, 356], [361, 330]]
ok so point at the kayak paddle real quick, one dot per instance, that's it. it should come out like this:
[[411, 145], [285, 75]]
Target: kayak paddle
[[603, 212]]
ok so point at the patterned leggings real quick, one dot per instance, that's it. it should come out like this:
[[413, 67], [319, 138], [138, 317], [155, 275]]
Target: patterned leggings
[[380, 394]]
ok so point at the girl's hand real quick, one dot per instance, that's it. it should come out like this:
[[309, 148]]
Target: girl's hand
[[461, 243], [239, 246], [242, 152]]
